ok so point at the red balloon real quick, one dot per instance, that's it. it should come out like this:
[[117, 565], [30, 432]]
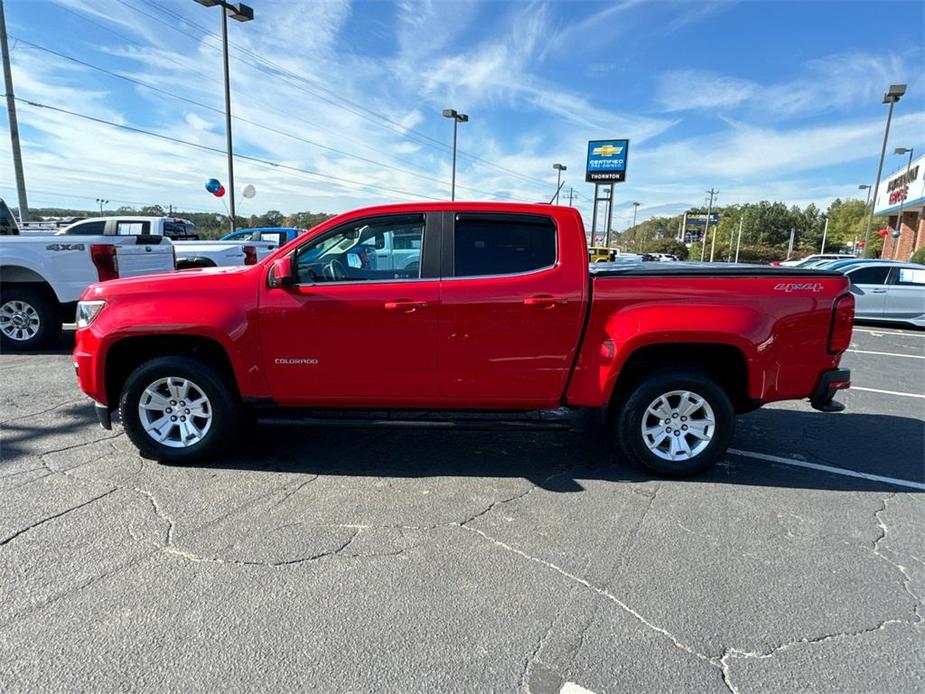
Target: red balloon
[[882, 233], [220, 192]]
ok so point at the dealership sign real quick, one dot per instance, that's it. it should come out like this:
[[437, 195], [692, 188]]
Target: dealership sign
[[606, 161], [906, 188], [700, 218]]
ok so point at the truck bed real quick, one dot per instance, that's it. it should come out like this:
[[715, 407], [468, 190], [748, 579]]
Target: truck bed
[[641, 269]]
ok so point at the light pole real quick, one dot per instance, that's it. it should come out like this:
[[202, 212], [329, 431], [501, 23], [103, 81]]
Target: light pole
[[241, 13], [457, 119], [899, 217], [636, 207], [101, 203], [559, 169], [893, 94], [867, 188]]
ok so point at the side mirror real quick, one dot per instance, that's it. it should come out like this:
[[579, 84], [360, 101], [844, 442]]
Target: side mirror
[[282, 274]]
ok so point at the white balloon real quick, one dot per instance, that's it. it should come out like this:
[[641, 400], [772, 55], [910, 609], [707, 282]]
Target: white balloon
[[249, 191]]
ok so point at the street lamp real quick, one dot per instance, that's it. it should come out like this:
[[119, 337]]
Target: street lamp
[[457, 119], [867, 188], [101, 203], [899, 217], [241, 13], [559, 169], [893, 94]]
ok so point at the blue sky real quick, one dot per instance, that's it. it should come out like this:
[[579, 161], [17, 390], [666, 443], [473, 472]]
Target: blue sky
[[762, 100]]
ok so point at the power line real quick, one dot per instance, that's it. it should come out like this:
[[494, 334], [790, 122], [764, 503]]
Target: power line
[[375, 117], [196, 145], [242, 119]]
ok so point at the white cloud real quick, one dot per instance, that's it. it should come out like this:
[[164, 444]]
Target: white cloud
[[680, 90]]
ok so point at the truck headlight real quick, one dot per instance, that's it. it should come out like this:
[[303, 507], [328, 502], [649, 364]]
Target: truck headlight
[[87, 311]]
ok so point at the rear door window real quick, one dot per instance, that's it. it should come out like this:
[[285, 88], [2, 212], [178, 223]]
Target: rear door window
[[179, 230], [909, 277], [502, 244], [90, 228], [133, 228], [869, 275]]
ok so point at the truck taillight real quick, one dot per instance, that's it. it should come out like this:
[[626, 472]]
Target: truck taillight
[[250, 255], [842, 322], [104, 258]]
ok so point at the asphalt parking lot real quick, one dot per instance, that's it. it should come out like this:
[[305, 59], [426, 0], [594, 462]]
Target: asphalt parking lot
[[420, 561]]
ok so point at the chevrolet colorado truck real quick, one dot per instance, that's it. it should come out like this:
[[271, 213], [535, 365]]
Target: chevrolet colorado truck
[[501, 314]]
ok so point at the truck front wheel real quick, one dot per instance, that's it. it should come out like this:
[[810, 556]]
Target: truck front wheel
[[675, 422], [178, 410], [29, 318]]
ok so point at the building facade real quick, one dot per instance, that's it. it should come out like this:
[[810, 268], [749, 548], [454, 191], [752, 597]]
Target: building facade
[[902, 193]]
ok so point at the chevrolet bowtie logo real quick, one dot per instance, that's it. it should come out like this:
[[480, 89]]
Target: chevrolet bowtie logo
[[606, 150]]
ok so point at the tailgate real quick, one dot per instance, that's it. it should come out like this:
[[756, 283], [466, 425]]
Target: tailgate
[[144, 255]]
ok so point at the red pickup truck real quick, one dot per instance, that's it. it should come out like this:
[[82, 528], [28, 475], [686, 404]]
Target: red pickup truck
[[449, 307]]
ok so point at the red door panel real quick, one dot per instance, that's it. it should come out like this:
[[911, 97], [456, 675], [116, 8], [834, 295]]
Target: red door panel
[[354, 344], [512, 303]]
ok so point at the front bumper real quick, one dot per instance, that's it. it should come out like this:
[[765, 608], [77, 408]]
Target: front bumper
[[830, 383]]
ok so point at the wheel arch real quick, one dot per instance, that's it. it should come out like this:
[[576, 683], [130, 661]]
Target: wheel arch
[[125, 355], [723, 362]]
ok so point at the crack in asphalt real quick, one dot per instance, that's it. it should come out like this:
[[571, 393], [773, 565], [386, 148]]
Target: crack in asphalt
[[45, 411], [52, 517], [190, 556], [884, 529], [736, 653], [603, 592]]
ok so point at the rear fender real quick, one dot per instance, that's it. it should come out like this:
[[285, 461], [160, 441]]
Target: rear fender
[[610, 344]]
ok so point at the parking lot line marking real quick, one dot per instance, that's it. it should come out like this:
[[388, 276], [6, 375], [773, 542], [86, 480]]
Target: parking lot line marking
[[887, 354], [888, 392], [828, 468], [881, 333]]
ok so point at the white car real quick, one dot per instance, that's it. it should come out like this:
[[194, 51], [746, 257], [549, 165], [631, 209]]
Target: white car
[[43, 276], [191, 252], [816, 258], [888, 291]]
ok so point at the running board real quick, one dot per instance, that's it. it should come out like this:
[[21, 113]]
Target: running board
[[468, 421]]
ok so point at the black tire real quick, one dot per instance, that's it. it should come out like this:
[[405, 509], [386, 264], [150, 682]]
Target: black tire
[[224, 404], [632, 408], [46, 310]]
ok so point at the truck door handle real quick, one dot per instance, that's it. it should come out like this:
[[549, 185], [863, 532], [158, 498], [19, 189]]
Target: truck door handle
[[543, 301], [878, 291], [404, 305]]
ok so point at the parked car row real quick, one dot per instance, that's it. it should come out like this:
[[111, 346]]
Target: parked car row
[[884, 290], [43, 274]]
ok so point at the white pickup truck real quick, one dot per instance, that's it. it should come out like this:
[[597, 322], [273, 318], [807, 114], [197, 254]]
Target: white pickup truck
[[42, 276], [191, 252]]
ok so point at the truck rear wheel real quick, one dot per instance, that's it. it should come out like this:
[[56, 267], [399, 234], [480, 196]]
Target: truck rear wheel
[[178, 410], [29, 318], [675, 423]]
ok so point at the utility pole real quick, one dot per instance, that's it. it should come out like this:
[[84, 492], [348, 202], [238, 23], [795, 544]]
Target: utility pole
[[14, 124], [571, 194], [825, 232], [793, 233], [706, 230], [739, 242]]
